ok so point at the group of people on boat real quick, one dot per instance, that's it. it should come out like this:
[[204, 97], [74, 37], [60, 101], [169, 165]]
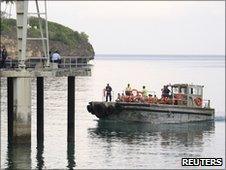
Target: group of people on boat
[[133, 95]]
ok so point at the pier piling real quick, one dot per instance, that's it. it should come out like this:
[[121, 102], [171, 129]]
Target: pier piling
[[40, 109], [10, 108], [39, 154], [19, 156], [19, 110], [71, 109], [71, 155]]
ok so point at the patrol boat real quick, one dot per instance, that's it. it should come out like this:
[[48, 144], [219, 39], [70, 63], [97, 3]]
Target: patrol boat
[[184, 104]]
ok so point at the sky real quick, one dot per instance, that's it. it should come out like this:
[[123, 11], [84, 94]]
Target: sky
[[145, 27]]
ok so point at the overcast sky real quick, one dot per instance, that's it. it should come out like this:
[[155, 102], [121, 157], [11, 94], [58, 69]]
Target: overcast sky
[[146, 27]]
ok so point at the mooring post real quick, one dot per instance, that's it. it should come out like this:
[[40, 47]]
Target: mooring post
[[40, 109], [71, 109], [10, 108]]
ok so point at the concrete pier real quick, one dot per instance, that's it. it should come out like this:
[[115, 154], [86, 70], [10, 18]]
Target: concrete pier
[[21, 110], [40, 109], [71, 109], [19, 156]]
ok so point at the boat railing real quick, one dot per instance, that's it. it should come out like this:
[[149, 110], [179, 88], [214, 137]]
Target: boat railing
[[181, 100], [206, 103]]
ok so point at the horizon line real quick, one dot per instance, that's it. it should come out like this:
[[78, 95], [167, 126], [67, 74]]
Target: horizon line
[[165, 54]]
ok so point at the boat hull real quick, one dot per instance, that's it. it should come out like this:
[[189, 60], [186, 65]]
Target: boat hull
[[151, 113]]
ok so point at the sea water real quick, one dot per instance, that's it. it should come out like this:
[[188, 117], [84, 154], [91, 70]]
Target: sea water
[[123, 144]]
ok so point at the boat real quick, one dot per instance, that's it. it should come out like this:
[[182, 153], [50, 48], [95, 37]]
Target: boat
[[183, 103]]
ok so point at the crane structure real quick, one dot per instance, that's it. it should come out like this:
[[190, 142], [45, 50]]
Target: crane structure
[[22, 16]]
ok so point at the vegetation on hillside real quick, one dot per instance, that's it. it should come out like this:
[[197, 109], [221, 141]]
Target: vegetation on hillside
[[57, 32], [7, 25]]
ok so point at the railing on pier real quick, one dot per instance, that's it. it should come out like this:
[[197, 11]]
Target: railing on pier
[[66, 62], [74, 62]]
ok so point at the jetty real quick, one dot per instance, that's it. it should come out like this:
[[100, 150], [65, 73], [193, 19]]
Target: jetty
[[19, 72]]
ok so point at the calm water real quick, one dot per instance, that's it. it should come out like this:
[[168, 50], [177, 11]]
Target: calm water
[[122, 145]]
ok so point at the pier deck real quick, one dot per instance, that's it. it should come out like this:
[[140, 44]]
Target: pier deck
[[46, 72], [70, 66]]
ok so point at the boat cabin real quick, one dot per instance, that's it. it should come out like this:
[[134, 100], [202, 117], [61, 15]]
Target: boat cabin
[[187, 95]]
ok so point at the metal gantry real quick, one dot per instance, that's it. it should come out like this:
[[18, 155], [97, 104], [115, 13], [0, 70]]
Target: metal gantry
[[22, 26]]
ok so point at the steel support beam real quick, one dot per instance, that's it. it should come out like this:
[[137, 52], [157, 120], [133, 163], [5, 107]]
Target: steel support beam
[[21, 17]]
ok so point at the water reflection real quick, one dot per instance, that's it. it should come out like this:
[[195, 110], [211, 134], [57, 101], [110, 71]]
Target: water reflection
[[71, 155], [186, 134], [19, 156], [39, 156]]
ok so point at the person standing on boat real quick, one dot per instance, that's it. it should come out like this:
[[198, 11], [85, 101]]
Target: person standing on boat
[[144, 92], [155, 99], [128, 90], [108, 91], [149, 99], [165, 91], [122, 97], [118, 98]]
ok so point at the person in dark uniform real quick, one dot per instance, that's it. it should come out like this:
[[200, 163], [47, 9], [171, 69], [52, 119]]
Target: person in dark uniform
[[165, 92], [108, 90]]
